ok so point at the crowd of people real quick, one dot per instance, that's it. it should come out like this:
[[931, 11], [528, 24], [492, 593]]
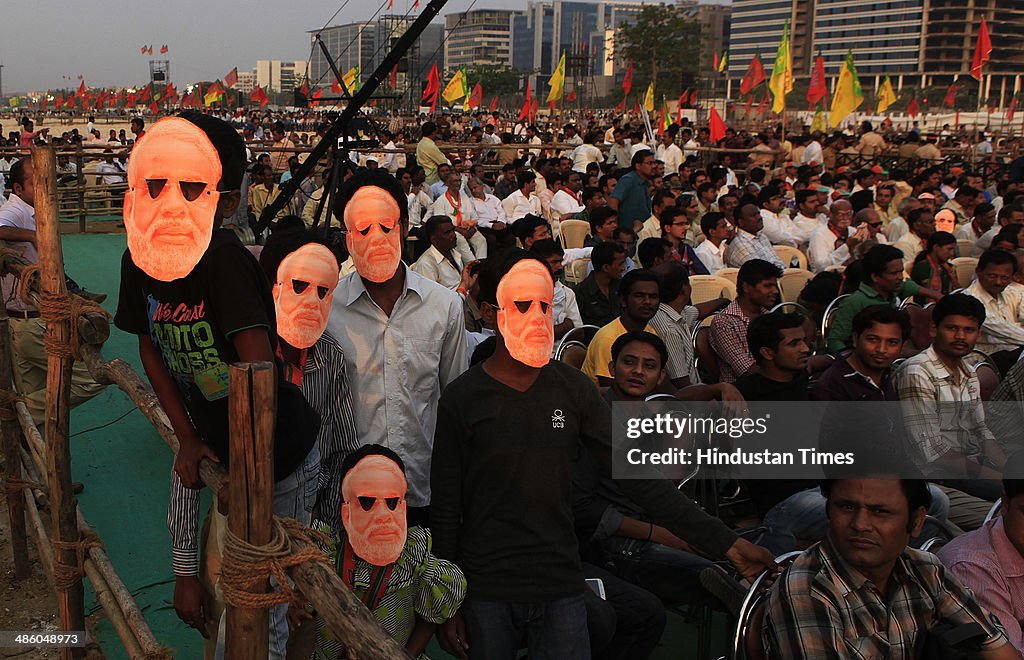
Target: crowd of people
[[596, 232]]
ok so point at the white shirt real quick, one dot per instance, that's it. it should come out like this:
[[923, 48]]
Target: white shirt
[[17, 213], [518, 205], [909, 245], [690, 147], [781, 230], [443, 206], [672, 156], [488, 210], [584, 155], [1004, 317], [399, 365], [807, 226], [639, 146], [563, 306], [896, 229], [490, 138], [435, 267], [712, 256], [110, 173], [565, 203], [389, 161], [822, 252], [966, 232], [812, 152]]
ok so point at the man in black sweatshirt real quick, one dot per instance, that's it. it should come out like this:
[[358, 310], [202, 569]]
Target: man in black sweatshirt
[[507, 434]]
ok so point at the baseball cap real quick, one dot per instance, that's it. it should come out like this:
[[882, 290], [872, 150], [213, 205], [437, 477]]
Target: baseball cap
[[926, 196]]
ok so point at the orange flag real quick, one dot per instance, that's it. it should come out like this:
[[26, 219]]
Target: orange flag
[[982, 51], [716, 126]]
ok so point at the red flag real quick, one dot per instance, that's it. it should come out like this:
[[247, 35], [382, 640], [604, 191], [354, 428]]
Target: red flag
[[476, 97], [154, 108], [716, 126], [763, 105], [525, 112], [81, 88], [433, 86], [258, 95], [551, 105], [621, 107], [170, 93], [163, 49], [679, 106], [304, 90], [714, 65], [131, 100], [661, 120], [143, 50], [494, 104], [43, 102], [636, 108], [753, 77], [684, 98], [535, 107], [693, 97], [913, 109], [58, 101], [394, 77], [416, 5], [231, 78], [627, 81], [149, 50], [950, 99], [817, 89], [982, 51], [746, 106], [316, 96], [571, 96], [1011, 109], [336, 86], [956, 122]]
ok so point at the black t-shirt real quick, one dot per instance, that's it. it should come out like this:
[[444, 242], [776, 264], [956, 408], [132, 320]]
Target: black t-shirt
[[191, 321]]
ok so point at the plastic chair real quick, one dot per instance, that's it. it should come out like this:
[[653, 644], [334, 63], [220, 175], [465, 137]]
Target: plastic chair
[[964, 268], [577, 271], [572, 353], [994, 511], [792, 282], [581, 334], [830, 312], [787, 306], [933, 544], [964, 247], [729, 274], [572, 233], [786, 253], [704, 288], [746, 641]]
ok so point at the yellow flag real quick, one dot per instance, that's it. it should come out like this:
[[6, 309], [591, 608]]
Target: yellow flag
[[724, 62], [781, 82], [649, 98], [818, 123], [848, 95], [456, 88], [351, 79], [557, 81], [886, 95]]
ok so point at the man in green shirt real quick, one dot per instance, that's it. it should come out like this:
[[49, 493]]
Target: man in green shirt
[[883, 284], [428, 156]]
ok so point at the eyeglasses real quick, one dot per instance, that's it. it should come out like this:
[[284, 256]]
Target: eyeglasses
[[366, 502], [524, 306], [190, 190], [874, 225], [680, 224]]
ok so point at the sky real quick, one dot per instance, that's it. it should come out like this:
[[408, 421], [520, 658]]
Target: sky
[[100, 39]]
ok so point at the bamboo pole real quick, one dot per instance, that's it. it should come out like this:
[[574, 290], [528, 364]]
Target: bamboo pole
[[42, 541], [251, 406], [71, 600], [12, 456], [33, 474], [113, 611]]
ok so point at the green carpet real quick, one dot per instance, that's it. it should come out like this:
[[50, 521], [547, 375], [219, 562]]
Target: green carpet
[[125, 466]]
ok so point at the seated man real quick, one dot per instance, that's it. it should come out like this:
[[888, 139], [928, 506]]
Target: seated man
[[442, 262], [862, 593], [638, 295], [941, 400], [564, 311], [598, 295], [990, 560], [616, 532], [386, 564], [757, 288], [1002, 333]]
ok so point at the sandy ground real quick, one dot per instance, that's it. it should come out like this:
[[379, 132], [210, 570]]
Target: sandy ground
[[30, 604]]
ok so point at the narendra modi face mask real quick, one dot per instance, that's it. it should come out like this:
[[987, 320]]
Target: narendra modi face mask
[[524, 312], [172, 197], [373, 511], [303, 293], [374, 233]]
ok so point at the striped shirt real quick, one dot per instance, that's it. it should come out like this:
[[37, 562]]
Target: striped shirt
[[746, 246], [728, 338], [675, 330], [940, 412], [325, 386], [822, 608]]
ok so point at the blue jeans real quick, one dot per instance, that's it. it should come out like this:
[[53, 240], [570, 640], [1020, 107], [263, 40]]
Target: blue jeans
[[294, 497], [802, 516], [668, 573], [552, 630]]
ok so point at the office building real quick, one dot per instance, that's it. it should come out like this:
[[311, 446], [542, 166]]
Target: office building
[[278, 76], [480, 36]]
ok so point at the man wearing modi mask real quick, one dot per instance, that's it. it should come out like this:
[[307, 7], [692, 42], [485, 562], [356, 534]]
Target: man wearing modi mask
[[403, 336], [198, 302], [508, 432], [388, 566]]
